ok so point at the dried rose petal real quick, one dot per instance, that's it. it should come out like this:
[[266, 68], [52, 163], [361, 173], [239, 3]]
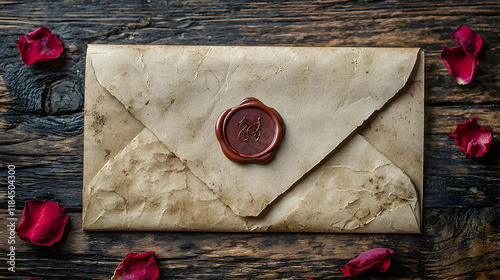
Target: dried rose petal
[[472, 138], [378, 258], [39, 45], [42, 222], [470, 41], [137, 267], [462, 61], [462, 66]]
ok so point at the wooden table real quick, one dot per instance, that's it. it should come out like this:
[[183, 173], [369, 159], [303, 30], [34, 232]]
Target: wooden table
[[41, 133]]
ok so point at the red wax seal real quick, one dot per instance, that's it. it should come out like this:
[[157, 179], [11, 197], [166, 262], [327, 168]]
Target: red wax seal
[[249, 132]]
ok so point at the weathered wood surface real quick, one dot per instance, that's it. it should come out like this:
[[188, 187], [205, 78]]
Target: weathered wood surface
[[41, 133]]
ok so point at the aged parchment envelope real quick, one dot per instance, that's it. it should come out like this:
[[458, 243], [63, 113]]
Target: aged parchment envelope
[[351, 159]]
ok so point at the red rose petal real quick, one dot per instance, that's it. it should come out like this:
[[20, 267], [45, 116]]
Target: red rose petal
[[137, 267], [378, 258], [462, 66], [39, 45], [470, 41], [42, 222], [474, 140]]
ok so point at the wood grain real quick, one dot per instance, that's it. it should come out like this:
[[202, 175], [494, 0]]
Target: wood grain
[[41, 133], [455, 242]]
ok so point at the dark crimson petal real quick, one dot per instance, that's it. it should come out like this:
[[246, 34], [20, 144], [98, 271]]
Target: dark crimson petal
[[39, 45], [42, 222], [379, 258], [474, 140], [462, 66], [470, 41], [137, 267]]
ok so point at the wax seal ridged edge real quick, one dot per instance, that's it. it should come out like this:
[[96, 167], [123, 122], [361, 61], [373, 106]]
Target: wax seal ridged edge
[[260, 158]]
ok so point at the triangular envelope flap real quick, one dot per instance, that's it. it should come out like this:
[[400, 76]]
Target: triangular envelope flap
[[103, 113], [323, 95]]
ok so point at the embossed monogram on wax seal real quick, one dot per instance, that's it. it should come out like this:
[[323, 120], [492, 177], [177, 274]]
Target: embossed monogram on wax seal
[[249, 132]]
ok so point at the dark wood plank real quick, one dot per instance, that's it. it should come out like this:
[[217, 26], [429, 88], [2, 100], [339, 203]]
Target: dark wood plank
[[450, 179], [456, 242]]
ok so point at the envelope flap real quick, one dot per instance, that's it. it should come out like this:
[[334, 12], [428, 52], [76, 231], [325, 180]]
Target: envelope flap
[[323, 95]]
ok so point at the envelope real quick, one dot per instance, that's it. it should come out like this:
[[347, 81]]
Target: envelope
[[350, 160]]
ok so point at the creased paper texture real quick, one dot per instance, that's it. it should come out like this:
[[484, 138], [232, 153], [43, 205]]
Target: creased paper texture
[[370, 189], [170, 174]]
